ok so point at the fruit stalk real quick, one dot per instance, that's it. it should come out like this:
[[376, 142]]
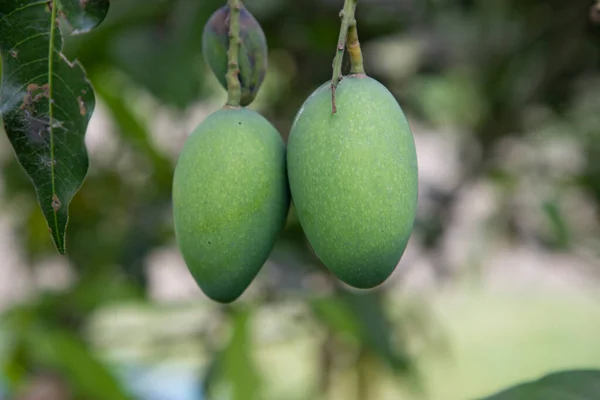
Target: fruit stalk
[[347, 15], [234, 88], [353, 45]]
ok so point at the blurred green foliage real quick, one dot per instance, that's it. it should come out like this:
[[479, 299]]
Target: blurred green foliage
[[492, 70], [564, 385]]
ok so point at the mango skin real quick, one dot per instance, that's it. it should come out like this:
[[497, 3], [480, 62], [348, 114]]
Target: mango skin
[[230, 200], [353, 178]]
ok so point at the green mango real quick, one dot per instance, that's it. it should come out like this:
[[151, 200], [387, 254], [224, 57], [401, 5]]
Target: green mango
[[230, 200], [353, 178], [253, 53]]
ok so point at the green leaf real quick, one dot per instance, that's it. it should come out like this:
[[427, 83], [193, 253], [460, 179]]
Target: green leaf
[[37, 343], [377, 329], [362, 317], [46, 101], [64, 352], [564, 385], [233, 373], [83, 15], [113, 92], [558, 223], [169, 46], [13, 368], [336, 314]]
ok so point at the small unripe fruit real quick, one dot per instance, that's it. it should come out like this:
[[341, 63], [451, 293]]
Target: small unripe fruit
[[253, 52], [230, 200], [353, 178]]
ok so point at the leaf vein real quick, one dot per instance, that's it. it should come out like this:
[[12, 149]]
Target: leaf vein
[[18, 9], [28, 38], [50, 113], [31, 80], [7, 79], [65, 84]]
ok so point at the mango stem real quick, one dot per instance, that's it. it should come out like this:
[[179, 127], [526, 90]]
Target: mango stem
[[234, 88], [347, 15], [353, 45]]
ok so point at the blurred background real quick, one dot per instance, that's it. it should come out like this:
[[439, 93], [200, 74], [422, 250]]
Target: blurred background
[[500, 280]]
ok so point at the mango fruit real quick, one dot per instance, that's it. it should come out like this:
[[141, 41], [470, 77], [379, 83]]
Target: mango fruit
[[253, 52], [230, 200], [353, 178]]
